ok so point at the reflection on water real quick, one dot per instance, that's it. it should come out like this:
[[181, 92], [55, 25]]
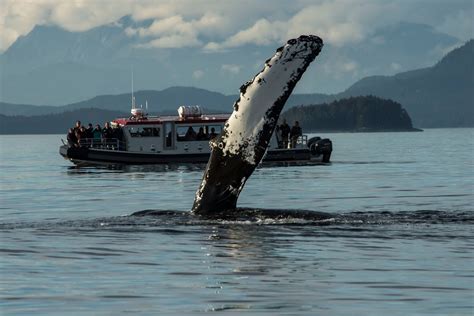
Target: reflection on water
[[181, 167], [136, 168]]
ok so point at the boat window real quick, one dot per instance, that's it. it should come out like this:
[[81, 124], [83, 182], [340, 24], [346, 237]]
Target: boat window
[[197, 133], [213, 130], [185, 133], [144, 131]]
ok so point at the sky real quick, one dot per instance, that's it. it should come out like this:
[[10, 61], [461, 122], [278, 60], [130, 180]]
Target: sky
[[219, 25]]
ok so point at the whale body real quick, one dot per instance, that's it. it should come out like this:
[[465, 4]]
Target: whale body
[[240, 147]]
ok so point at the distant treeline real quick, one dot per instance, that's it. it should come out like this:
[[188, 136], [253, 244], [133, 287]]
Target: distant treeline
[[55, 123], [356, 114]]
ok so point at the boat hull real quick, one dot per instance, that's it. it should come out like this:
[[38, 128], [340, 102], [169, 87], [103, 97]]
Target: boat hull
[[86, 155]]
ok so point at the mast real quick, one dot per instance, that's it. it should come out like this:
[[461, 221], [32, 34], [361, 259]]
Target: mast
[[133, 97]]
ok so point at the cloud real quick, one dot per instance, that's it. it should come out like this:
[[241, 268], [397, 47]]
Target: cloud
[[331, 20], [176, 31], [460, 24], [210, 20], [18, 17], [198, 74], [334, 21], [263, 32], [219, 25], [170, 25], [230, 68], [172, 41], [395, 66], [350, 66], [340, 67], [172, 32], [342, 22]]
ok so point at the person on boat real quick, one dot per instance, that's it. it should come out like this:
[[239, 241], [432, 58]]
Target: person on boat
[[89, 131], [71, 138], [285, 132], [81, 135], [295, 133], [278, 136], [77, 127], [201, 135], [213, 133], [117, 134], [97, 135], [107, 131], [190, 134]]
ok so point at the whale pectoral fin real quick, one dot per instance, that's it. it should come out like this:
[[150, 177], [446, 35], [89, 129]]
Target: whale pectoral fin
[[246, 134]]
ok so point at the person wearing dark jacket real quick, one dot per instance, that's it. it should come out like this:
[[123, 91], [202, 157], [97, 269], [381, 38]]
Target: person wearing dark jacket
[[117, 134], [295, 133], [81, 135], [201, 135], [285, 132], [89, 131], [97, 135], [71, 138], [107, 131]]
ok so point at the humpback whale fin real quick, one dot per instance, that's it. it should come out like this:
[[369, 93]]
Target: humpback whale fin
[[242, 144]]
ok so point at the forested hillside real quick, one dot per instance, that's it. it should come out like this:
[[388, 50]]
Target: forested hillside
[[357, 114]]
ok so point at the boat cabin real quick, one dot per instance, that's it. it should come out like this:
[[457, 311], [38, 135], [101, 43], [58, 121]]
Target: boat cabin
[[189, 132]]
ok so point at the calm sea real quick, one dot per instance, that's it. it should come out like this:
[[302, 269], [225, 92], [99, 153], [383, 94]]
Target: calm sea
[[401, 242]]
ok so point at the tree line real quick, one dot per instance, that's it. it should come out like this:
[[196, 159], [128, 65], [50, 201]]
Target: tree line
[[358, 114]]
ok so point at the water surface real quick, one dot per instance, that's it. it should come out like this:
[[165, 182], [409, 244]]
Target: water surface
[[400, 240]]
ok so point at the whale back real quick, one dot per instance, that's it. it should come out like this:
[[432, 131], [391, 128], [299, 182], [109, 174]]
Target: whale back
[[240, 147]]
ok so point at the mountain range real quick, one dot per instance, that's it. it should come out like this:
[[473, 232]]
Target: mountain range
[[53, 66], [437, 96], [162, 102]]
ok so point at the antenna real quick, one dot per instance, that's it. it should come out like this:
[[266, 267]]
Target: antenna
[[133, 97]]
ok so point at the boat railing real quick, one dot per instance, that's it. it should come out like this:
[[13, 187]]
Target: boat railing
[[105, 143], [303, 140], [299, 142]]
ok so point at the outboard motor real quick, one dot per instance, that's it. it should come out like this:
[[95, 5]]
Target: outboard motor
[[319, 146]]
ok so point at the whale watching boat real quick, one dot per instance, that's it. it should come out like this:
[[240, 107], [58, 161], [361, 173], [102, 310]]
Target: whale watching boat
[[144, 139]]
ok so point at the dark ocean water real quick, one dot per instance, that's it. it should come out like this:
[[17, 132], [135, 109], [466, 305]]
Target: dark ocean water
[[400, 241]]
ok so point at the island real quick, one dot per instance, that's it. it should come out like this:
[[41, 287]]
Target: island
[[354, 114]]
